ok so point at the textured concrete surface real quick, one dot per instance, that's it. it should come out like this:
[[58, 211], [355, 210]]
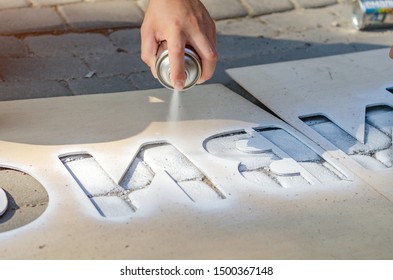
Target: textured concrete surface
[[59, 48], [77, 47]]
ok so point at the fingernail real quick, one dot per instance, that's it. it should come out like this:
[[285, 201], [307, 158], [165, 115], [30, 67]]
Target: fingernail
[[179, 85]]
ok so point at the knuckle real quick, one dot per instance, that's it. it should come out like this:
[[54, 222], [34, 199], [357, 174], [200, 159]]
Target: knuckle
[[193, 21], [145, 58], [177, 49], [212, 56]]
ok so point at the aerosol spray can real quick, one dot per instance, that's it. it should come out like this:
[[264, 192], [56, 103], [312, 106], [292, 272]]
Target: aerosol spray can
[[369, 14], [192, 67]]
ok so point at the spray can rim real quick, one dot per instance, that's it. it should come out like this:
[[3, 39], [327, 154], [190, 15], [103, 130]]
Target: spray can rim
[[191, 79]]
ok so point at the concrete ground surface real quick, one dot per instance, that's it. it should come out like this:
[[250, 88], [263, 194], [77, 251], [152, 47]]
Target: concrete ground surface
[[66, 48], [70, 47]]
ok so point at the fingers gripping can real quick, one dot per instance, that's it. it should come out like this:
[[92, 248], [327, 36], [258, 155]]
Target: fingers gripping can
[[368, 14], [192, 67]]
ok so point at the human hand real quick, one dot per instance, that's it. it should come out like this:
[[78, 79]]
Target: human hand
[[179, 23]]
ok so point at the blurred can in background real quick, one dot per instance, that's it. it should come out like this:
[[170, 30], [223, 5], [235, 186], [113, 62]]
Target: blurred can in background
[[368, 14]]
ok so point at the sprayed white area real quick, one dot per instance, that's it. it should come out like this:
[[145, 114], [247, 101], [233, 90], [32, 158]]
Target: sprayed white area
[[253, 146], [254, 163], [273, 157], [108, 197], [325, 172], [3, 202], [368, 162], [161, 194], [165, 158], [290, 145], [385, 156], [138, 176], [228, 145], [118, 200], [374, 139], [246, 146], [376, 153], [261, 179], [224, 145], [381, 118], [168, 158], [90, 175], [286, 167]]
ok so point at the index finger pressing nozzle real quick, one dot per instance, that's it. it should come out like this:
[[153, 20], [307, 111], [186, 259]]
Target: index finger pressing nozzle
[[192, 68]]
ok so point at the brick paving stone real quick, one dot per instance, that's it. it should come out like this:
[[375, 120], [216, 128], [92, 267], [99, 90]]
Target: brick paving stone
[[27, 20], [249, 27], [314, 3], [100, 85], [114, 57], [233, 9], [32, 89], [127, 39], [108, 14], [116, 64], [40, 3], [71, 44], [12, 47], [284, 22], [320, 24], [7, 4], [262, 7], [144, 80], [231, 47], [94, 1], [42, 68], [331, 25]]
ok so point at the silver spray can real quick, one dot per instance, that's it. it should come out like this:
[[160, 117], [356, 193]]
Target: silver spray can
[[367, 14], [192, 67]]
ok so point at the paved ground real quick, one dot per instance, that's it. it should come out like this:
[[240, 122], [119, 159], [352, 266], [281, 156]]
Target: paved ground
[[73, 47], [52, 48]]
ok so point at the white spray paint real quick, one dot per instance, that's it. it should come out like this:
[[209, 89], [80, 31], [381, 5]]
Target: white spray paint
[[273, 158], [377, 151], [3, 202], [173, 115]]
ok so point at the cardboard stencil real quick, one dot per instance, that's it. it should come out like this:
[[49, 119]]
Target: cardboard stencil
[[344, 103], [221, 178]]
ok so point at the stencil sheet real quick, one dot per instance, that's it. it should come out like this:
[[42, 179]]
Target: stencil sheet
[[344, 103], [117, 180]]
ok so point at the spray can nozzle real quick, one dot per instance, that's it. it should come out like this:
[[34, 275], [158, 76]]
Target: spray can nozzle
[[192, 67]]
